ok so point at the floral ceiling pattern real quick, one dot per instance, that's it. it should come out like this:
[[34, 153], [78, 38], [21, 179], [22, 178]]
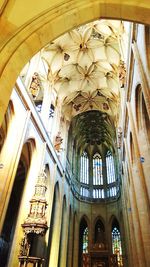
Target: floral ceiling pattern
[[84, 67]]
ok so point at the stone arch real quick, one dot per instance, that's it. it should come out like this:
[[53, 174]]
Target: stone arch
[[112, 217], [115, 224], [99, 236], [82, 227], [30, 150], [138, 100], [142, 117], [99, 217], [145, 120], [6, 123], [111, 220], [132, 152], [54, 233], [17, 191], [54, 20], [86, 219]]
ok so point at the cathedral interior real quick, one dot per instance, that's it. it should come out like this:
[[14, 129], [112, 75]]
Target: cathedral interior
[[74, 133]]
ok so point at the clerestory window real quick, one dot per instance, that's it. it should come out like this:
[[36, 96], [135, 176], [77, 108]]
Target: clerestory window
[[84, 169], [97, 170], [110, 168]]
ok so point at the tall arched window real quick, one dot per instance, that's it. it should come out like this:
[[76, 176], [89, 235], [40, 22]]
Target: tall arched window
[[110, 168], [85, 240], [83, 244], [84, 169], [97, 170], [116, 242]]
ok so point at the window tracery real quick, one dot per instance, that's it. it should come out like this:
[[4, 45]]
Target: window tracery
[[98, 193], [84, 169], [110, 168], [97, 170], [116, 245], [85, 240]]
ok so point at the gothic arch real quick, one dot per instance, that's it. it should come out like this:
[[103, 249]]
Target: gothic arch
[[19, 183], [99, 217], [112, 218], [46, 22], [99, 231], [6, 123], [138, 106], [83, 238], [132, 152], [145, 120], [86, 219]]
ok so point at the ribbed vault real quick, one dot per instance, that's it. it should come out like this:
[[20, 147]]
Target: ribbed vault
[[92, 130]]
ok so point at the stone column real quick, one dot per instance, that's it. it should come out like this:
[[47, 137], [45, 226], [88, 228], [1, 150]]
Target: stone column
[[10, 161], [128, 219], [70, 240], [55, 232], [75, 242], [64, 239], [140, 191], [138, 223]]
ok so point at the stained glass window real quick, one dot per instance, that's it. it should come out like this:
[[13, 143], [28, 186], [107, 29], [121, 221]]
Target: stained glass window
[[116, 245], [84, 169], [84, 191], [112, 191], [98, 193], [85, 240], [110, 168], [97, 170]]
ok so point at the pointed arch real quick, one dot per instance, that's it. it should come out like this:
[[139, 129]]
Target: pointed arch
[[116, 241], [6, 123], [83, 240], [16, 195], [99, 231]]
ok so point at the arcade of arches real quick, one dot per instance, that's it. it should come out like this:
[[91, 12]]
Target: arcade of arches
[[74, 134]]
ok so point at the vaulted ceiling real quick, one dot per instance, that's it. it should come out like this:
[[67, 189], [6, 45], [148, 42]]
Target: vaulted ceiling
[[84, 67], [93, 130]]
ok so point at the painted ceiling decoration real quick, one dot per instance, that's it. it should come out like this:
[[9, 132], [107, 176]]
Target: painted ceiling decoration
[[84, 68]]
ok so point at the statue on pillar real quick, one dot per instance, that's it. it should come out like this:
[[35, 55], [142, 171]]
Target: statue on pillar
[[58, 142]]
